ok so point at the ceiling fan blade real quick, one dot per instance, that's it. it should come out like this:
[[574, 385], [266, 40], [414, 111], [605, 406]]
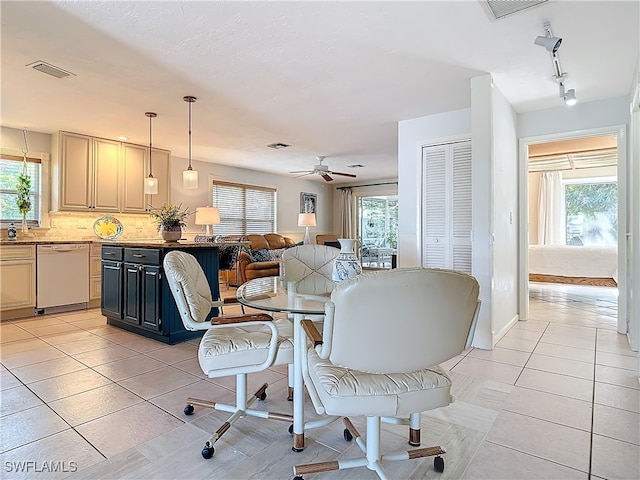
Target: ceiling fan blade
[[344, 174], [303, 175], [302, 171], [326, 177]]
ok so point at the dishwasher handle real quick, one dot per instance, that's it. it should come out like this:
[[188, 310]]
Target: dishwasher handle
[[62, 248]]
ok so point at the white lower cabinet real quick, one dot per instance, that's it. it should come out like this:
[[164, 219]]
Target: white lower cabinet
[[17, 277]]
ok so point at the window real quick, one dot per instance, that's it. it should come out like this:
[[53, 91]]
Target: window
[[591, 212], [10, 167], [244, 209]]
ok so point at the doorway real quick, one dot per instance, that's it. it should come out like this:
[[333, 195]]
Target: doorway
[[377, 231], [571, 214]]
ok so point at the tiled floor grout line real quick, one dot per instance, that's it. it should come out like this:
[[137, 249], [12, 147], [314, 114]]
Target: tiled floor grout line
[[593, 401]]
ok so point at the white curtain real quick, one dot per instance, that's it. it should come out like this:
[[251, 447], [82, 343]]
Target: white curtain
[[551, 222], [346, 213]]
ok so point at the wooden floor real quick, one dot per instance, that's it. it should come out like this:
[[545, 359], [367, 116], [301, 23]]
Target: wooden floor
[[558, 398]]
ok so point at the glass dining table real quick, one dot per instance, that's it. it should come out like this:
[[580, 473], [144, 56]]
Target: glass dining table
[[273, 294]]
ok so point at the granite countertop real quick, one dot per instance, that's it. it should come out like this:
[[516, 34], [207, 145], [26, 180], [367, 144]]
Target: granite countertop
[[132, 242]]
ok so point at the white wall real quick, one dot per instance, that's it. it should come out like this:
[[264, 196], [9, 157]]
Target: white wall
[[504, 282], [13, 138], [413, 134], [289, 190]]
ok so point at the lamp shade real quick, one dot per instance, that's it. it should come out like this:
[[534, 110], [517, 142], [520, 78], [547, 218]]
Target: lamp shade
[[307, 220], [189, 179], [150, 185], [207, 216]]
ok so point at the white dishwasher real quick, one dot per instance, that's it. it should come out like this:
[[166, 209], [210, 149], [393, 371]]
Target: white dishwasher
[[62, 277]]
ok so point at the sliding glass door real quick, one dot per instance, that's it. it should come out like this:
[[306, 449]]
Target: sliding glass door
[[378, 230]]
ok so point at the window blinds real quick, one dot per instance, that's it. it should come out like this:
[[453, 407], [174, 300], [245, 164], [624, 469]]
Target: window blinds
[[244, 209]]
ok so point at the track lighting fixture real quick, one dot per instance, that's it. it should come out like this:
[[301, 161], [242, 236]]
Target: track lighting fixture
[[552, 44], [569, 96]]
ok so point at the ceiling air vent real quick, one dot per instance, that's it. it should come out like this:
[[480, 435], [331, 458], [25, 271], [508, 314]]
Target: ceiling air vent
[[497, 9], [278, 145], [49, 69]]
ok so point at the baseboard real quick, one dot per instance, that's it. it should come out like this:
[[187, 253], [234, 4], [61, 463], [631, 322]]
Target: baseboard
[[505, 329]]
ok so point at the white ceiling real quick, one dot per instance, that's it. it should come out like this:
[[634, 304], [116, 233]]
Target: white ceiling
[[329, 78]]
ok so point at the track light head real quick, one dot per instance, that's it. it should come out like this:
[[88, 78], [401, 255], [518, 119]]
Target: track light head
[[552, 44], [570, 98]]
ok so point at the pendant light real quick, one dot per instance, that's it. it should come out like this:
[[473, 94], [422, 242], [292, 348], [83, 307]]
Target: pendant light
[[189, 176], [150, 183]]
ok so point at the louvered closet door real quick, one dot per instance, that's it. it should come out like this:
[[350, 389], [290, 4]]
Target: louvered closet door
[[447, 206], [435, 205]]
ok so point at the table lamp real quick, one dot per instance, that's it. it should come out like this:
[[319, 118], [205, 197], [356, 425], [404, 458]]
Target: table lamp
[[207, 216], [306, 220]]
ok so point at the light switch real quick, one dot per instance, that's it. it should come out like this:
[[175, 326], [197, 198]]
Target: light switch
[[82, 223], [139, 225]]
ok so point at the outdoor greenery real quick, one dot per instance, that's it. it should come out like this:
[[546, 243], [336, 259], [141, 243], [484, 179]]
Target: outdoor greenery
[[11, 170], [592, 213], [379, 222]]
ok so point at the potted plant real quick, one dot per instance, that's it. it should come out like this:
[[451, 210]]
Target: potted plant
[[170, 219], [24, 201]]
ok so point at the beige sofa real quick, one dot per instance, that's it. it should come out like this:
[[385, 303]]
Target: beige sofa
[[247, 268]]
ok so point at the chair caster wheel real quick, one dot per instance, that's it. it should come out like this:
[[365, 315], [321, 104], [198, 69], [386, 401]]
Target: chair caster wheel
[[290, 429], [188, 410], [347, 435], [207, 452], [263, 396], [438, 464]]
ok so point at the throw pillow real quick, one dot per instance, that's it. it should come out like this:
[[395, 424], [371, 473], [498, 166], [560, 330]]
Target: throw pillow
[[228, 255], [332, 244], [276, 253], [261, 255]]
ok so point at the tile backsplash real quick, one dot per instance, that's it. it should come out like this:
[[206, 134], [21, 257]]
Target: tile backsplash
[[79, 226]]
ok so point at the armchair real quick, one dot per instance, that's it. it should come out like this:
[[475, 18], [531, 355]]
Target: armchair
[[383, 337], [231, 345]]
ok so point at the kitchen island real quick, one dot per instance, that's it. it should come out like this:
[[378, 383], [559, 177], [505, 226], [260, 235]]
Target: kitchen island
[[135, 295]]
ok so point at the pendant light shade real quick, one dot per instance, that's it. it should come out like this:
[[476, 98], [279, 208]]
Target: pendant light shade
[[189, 176], [150, 183]]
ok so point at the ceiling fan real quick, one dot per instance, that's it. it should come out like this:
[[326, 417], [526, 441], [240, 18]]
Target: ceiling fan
[[323, 171]]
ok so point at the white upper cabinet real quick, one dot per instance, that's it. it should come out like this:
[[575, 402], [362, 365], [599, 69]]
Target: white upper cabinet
[[97, 174]]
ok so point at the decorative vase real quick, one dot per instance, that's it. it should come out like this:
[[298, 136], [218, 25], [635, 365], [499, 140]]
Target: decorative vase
[[25, 227], [346, 264], [172, 234]]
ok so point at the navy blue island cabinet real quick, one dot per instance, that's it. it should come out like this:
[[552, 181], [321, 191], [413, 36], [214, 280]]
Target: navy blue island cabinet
[[135, 294]]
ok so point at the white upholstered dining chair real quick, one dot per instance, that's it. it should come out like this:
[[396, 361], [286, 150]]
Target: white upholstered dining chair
[[232, 345], [384, 335], [310, 267]]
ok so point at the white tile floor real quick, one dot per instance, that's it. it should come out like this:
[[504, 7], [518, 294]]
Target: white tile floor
[[558, 398]]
